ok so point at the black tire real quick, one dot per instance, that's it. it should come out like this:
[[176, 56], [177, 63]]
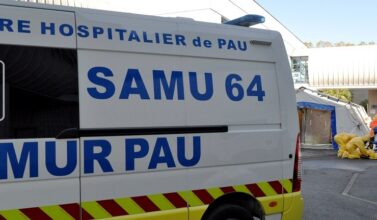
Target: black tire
[[230, 212]]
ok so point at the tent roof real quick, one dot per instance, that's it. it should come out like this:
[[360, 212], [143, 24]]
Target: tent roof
[[317, 96]]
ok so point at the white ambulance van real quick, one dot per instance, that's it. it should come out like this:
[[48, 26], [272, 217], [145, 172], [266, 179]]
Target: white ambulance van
[[113, 115]]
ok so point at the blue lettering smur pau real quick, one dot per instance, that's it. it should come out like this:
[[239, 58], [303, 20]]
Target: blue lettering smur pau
[[15, 160]]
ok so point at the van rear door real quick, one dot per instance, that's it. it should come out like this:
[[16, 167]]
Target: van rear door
[[39, 174]]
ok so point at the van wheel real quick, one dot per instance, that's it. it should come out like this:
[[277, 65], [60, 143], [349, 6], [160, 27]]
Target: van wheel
[[230, 212]]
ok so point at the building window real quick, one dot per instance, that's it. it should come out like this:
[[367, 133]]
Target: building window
[[299, 66]]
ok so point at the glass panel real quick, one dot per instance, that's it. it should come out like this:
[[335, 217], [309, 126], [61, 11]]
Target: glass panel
[[300, 69], [41, 91]]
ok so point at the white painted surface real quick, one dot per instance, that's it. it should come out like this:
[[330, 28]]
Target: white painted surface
[[343, 67], [136, 112], [39, 188], [262, 133], [33, 21]]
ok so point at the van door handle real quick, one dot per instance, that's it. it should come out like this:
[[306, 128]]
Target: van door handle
[[3, 91]]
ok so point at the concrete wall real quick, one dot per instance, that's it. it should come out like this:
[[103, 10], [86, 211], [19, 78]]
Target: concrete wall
[[359, 95]]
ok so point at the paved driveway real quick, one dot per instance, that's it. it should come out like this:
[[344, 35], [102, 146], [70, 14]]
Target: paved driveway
[[336, 188]]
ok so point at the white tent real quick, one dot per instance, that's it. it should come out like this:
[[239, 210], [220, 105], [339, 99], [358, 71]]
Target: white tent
[[323, 116]]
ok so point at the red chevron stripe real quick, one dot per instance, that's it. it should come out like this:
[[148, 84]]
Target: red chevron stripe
[[112, 207], [35, 213], [73, 210], [227, 189], [255, 190], [276, 185], [203, 195], [176, 200], [145, 203]]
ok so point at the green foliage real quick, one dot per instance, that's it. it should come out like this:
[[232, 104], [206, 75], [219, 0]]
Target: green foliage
[[362, 43], [343, 44], [342, 94], [324, 44]]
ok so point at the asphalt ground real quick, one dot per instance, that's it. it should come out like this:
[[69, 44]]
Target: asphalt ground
[[335, 188]]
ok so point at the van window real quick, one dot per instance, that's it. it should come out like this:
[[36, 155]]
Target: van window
[[41, 91], [2, 104]]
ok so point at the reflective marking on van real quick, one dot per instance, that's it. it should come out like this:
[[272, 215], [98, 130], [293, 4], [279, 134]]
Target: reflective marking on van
[[146, 203]]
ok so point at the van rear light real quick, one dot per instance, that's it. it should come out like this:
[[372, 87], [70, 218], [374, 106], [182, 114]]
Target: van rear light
[[296, 187]]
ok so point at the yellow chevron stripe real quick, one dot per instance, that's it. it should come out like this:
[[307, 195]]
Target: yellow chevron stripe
[[56, 212], [193, 200], [242, 188], [161, 202], [267, 189], [215, 192], [14, 214], [129, 205], [95, 210], [287, 184]]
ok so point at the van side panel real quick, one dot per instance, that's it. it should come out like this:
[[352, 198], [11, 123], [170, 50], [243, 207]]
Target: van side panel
[[124, 90], [166, 75], [37, 27], [122, 32], [180, 74]]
